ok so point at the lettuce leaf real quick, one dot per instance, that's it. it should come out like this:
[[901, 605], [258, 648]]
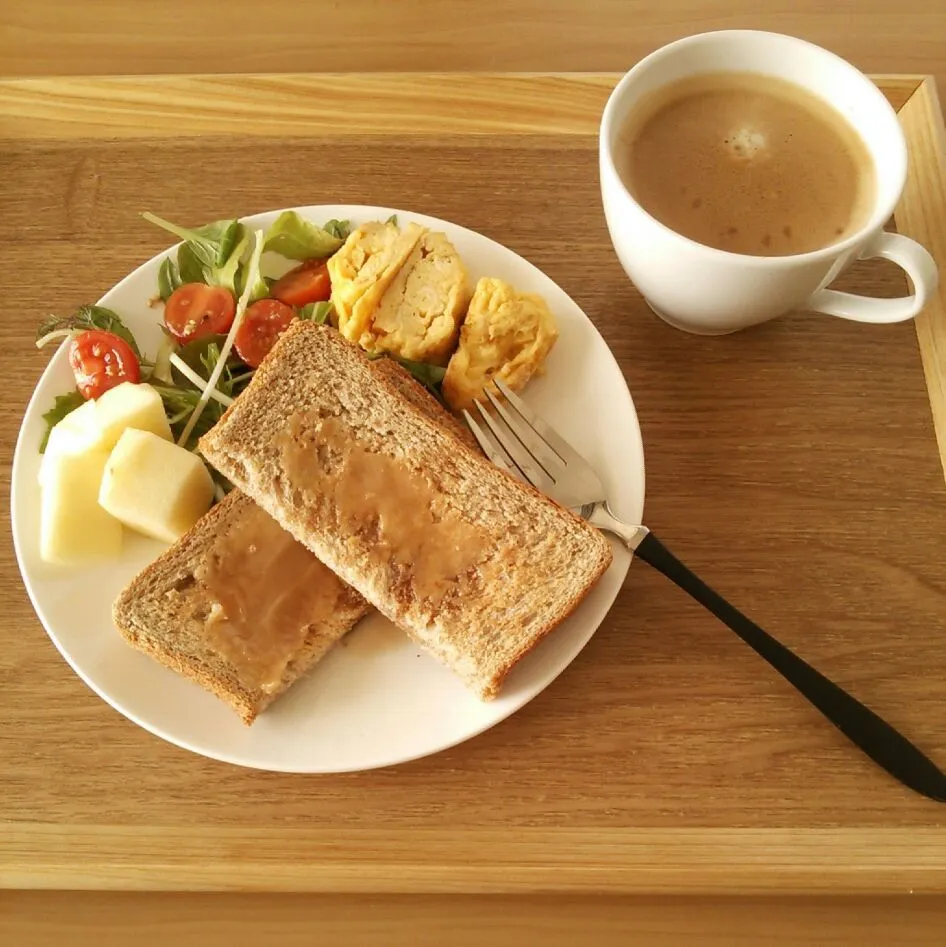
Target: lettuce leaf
[[296, 238], [337, 228], [192, 354], [428, 375], [89, 317], [189, 267], [225, 235], [210, 254], [226, 275], [169, 278], [316, 312], [260, 288], [212, 244]]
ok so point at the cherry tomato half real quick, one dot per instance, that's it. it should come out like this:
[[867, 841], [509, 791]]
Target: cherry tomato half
[[195, 310], [101, 360], [263, 323], [308, 283]]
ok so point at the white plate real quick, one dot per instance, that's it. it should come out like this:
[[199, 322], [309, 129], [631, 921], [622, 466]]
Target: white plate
[[376, 699]]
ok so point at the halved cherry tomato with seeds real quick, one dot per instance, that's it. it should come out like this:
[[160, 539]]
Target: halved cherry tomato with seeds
[[263, 323], [308, 283], [101, 360], [195, 310]]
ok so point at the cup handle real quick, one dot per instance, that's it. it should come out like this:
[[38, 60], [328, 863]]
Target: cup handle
[[910, 257]]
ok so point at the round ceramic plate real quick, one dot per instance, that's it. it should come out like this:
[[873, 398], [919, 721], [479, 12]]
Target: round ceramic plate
[[376, 699]]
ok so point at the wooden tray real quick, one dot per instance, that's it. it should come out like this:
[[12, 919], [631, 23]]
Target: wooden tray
[[795, 466]]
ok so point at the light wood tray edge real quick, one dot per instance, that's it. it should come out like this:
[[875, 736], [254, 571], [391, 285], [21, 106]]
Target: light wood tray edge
[[696, 861], [308, 105], [304, 105], [921, 214], [474, 861]]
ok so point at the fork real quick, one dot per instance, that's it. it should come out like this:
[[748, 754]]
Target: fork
[[516, 439]]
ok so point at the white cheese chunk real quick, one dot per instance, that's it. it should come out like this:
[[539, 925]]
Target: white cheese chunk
[[155, 487], [76, 433], [74, 529], [130, 405]]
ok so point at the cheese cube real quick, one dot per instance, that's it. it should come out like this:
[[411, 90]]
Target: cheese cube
[[129, 405], [76, 433], [74, 529], [154, 486]]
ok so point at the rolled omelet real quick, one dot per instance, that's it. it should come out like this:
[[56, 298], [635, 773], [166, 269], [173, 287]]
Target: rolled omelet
[[506, 334], [363, 269], [420, 313]]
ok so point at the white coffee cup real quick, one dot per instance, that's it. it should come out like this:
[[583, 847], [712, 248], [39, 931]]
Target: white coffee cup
[[712, 292]]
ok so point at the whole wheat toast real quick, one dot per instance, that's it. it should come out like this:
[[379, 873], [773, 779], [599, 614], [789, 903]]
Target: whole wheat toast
[[533, 560], [162, 612]]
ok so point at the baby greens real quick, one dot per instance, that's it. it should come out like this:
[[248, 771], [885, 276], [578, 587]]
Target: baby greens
[[211, 254], [318, 313], [216, 254], [296, 238], [63, 405], [86, 317], [430, 376]]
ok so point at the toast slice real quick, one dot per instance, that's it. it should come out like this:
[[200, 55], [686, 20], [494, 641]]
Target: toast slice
[[164, 610], [474, 565]]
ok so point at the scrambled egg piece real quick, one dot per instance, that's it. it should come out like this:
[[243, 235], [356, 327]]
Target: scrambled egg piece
[[420, 313], [400, 291], [364, 268], [506, 334]]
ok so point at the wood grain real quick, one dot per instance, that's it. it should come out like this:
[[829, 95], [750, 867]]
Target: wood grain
[[302, 106], [72, 919], [61, 37], [795, 466], [586, 859], [922, 212]]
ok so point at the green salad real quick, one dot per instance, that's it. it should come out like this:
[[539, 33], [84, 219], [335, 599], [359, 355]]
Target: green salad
[[221, 317]]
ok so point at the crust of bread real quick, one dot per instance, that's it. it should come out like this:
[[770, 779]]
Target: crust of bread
[[423, 400]]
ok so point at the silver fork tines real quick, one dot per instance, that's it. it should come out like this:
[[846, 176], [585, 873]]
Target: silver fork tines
[[516, 439], [527, 436], [566, 453], [510, 440], [489, 448]]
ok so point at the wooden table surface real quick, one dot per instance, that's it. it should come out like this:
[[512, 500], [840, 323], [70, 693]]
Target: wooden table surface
[[795, 466]]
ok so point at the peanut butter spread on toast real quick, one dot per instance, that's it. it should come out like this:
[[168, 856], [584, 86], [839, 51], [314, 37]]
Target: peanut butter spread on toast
[[403, 519]]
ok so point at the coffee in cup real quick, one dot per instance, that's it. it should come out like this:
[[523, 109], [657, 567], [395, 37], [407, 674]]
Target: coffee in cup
[[747, 163]]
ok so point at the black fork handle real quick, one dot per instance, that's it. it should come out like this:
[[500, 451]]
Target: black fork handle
[[887, 747]]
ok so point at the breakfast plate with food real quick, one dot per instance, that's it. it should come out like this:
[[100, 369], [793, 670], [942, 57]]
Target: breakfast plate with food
[[249, 515]]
